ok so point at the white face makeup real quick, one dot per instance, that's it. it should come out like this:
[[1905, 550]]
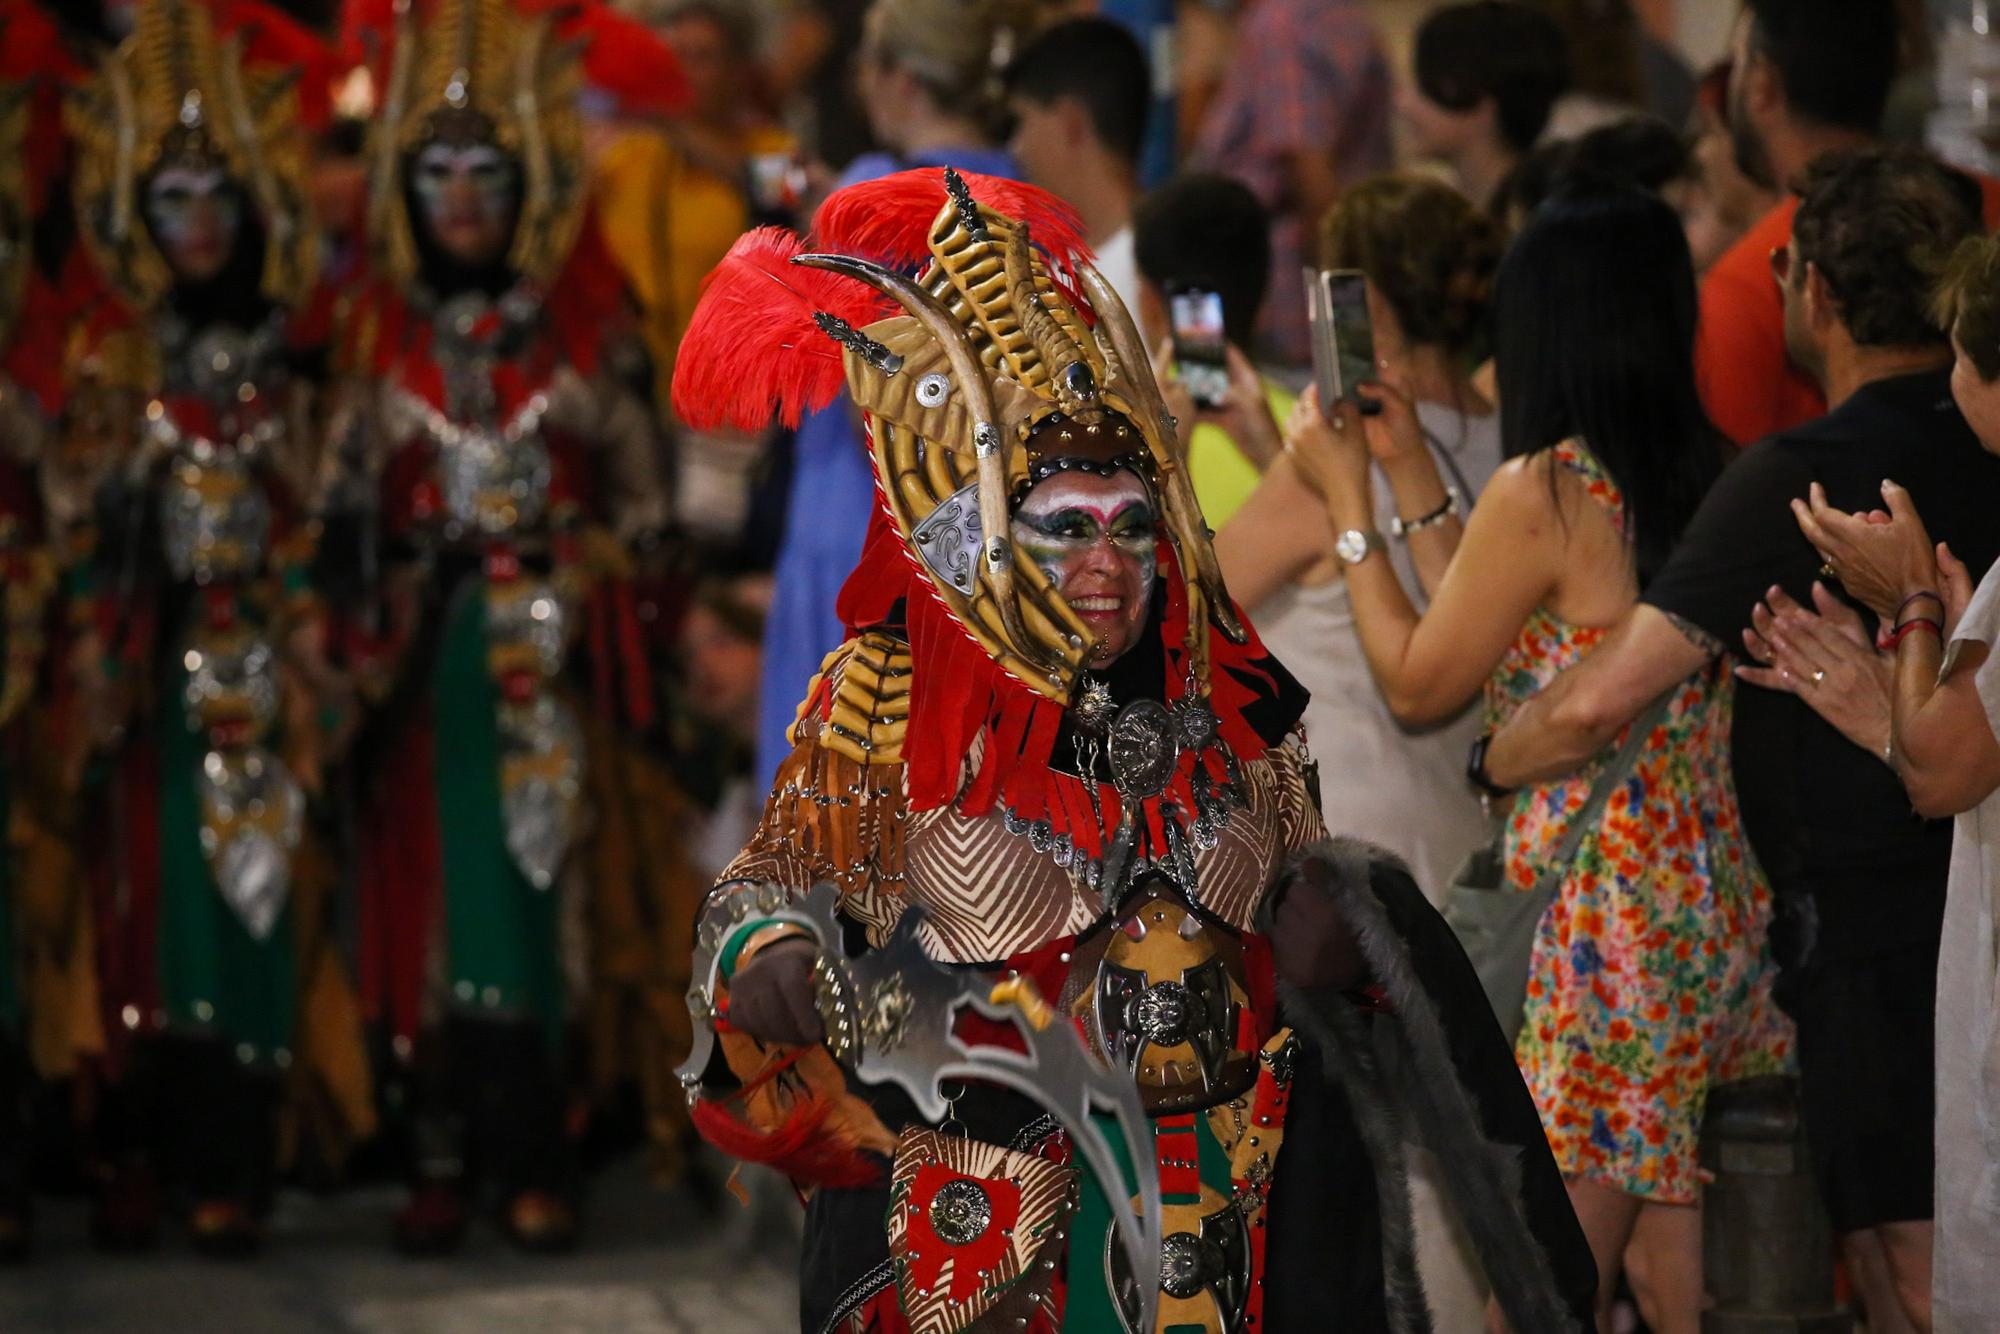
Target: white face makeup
[[194, 214], [1095, 538], [468, 194]]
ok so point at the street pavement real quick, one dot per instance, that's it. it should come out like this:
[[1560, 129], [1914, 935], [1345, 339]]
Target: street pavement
[[651, 1262]]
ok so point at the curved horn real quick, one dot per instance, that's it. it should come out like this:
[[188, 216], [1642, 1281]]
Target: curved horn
[[383, 185], [1114, 324], [993, 517], [1057, 350]]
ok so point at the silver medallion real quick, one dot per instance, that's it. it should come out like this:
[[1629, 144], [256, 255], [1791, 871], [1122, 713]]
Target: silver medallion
[[1143, 749], [960, 1212]]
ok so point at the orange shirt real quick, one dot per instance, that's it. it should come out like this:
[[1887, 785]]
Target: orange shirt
[[1748, 384]]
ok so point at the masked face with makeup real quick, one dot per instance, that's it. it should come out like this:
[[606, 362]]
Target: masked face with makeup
[[1095, 536], [467, 193], [194, 210]]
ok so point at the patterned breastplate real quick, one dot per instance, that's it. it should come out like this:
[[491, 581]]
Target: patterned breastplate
[[215, 516], [494, 481], [996, 885], [492, 466]]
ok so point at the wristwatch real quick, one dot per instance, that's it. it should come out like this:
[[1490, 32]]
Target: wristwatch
[[1356, 545], [1475, 770]]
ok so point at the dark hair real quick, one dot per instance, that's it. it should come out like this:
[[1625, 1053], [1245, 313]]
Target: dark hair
[[1207, 231], [1430, 254], [1880, 225], [1836, 58], [1100, 64], [1603, 38], [1968, 302], [1575, 359], [1510, 52], [738, 31], [1640, 151]]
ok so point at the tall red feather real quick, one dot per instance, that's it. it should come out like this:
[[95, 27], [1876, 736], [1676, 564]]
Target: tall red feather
[[752, 351], [889, 219], [621, 55]]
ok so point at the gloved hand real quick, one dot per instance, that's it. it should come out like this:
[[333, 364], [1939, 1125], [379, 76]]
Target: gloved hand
[[771, 998], [1311, 943]]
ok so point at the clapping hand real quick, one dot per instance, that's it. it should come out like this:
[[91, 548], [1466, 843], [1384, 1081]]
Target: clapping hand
[[1823, 654], [1883, 560]]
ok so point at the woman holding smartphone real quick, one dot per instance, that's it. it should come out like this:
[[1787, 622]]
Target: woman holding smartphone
[[1429, 256], [1650, 980]]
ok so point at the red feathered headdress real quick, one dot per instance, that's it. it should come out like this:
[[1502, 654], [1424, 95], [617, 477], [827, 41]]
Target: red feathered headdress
[[889, 220], [621, 55], [757, 347]]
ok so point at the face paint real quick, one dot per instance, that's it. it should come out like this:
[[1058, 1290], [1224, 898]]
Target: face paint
[[1095, 538], [468, 195], [194, 214]]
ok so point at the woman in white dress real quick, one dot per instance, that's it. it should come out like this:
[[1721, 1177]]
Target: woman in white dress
[[1430, 257], [1927, 700]]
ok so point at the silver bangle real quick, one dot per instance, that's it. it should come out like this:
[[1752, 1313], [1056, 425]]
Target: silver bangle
[[1402, 527]]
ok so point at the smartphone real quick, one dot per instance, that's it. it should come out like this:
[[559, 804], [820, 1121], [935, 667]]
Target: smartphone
[[1343, 339], [1200, 347]]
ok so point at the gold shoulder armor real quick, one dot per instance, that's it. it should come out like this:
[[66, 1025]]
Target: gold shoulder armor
[[860, 701]]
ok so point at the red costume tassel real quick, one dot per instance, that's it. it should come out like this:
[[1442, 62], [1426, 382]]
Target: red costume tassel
[[800, 1146]]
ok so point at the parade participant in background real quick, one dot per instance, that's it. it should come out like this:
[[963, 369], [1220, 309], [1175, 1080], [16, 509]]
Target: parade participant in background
[[190, 442], [37, 968], [514, 478], [672, 197], [1050, 730]]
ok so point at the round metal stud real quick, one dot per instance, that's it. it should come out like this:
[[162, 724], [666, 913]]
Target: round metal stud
[[933, 390]]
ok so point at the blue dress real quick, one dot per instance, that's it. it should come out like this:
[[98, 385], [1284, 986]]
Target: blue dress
[[826, 513]]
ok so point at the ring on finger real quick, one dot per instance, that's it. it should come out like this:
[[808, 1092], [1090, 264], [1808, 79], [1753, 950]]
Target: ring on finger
[[1819, 675]]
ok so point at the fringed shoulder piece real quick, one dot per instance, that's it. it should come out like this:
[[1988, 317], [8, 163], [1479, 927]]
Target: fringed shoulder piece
[[859, 703]]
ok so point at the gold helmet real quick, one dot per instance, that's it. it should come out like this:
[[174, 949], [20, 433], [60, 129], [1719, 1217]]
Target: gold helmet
[[999, 362], [482, 71], [215, 85]]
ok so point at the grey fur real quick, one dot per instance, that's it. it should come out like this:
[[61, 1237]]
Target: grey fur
[[1419, 1079]]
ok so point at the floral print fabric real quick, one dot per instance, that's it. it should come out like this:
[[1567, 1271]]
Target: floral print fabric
[[1651, 976]]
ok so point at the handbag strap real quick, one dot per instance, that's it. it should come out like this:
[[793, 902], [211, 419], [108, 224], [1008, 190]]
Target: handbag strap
[[1614, 773]]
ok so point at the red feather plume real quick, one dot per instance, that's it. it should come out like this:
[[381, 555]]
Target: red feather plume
[[273, 39], [621, 56], [889, 219], [753, 351]]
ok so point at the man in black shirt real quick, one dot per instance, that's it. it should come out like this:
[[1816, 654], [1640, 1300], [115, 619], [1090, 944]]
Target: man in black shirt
[[1859, 877]]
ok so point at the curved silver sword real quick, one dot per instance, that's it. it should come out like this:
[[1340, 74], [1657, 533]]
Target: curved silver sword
[[890, 1016]]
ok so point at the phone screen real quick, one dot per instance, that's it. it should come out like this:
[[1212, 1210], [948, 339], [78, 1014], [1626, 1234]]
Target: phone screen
[[1343, 338], [1200, 346]]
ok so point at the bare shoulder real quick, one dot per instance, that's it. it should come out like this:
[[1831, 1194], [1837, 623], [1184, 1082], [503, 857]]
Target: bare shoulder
[[1519, 493]]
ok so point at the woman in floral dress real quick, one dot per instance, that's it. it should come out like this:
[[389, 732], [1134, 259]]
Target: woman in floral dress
[[1650, 980]]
